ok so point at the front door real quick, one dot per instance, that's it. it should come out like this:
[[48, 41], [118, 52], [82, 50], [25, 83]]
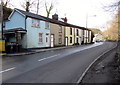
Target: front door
[[66, 41], [52, 40]]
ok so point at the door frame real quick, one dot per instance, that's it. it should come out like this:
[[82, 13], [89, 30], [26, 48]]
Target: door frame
[[51, 39], [66, 43]]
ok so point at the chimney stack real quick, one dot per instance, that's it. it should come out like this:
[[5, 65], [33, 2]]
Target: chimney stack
[[55, 16], [64, 19]]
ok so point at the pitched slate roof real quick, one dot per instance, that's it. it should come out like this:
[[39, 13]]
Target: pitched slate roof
[[32, 15], [29, 14]]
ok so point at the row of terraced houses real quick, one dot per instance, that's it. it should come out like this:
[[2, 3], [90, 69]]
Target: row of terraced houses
[[35, 31]]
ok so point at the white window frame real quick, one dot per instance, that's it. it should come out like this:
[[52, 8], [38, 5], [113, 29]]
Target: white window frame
[[60, 28], [40, 38], [47, 25], [60, 39], [35, 23], [47, 39]]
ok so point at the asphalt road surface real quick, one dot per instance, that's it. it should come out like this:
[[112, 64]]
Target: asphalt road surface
[[58, 66]]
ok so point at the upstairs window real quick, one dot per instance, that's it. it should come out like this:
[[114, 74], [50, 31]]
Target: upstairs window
[[70, 31], [60, 28], [35, 23], [77, 32], [70, 39], [47, 25]]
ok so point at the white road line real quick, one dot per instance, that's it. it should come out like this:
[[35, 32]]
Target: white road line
[[7, 70], [48, 57], [86, 70]]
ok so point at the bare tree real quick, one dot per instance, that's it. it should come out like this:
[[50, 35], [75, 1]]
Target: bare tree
[[28, 4], [49, 6], [5, 3], [112, 7], [48, 9], [40, 4]]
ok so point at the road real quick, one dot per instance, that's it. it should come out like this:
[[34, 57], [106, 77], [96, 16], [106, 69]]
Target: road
[[58, 66]]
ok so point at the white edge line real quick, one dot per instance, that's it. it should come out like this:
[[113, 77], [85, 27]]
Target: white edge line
[[48, 57], [7, 70], [83, 74]]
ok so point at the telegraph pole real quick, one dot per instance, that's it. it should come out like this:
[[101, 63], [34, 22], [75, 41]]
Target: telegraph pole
[[2, 41], [1, 19]]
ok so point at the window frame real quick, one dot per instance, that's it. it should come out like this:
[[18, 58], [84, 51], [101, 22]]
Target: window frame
[[70, 39], [35, 23], [60, 28], [70, 31], [47, 39], [77, 32], [60, 39], [47, 25], [40, 39]]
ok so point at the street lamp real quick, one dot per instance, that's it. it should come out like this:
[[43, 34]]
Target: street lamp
[[87, 16], [87, 24]]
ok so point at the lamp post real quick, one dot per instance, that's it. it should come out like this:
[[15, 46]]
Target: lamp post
[[87, 16]]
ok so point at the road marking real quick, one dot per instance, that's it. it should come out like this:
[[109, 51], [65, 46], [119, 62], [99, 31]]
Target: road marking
[[86, 70], [7, 70], [48, 57]]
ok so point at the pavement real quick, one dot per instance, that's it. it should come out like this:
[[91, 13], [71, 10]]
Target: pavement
[[33, 51]]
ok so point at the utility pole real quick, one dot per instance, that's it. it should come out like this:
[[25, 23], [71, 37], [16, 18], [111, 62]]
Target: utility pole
[[118, 46], [2, 41], [1, 19]]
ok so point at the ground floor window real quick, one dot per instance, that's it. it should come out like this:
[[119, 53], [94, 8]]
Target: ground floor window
[[77, 40], [70, 39], [47, 38], [60, 39], [40, 37]]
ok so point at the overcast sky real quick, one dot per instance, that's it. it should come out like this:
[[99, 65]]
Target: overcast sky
[[77, 10]]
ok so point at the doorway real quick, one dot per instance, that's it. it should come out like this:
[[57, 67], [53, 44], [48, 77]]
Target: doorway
[[52, 40]]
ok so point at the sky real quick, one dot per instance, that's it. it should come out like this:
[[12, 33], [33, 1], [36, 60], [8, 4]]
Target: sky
[[76, 11]]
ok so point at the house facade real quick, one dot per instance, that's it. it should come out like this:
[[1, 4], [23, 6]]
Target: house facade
[[34, 31], [37, 29], [57, 34], [69, 35], [78, 36]]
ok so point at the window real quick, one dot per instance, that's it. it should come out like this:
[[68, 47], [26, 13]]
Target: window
[[77, 40], [77, 32], [60, 28], [35, 23], [70, 39], [70, 31], [40, 37], [47, 25], [47, 38], [60, 39]]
